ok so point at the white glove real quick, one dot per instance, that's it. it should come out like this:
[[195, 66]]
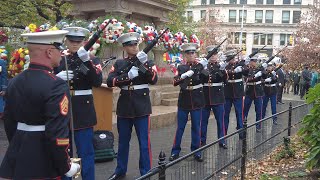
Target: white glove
[[73, 170], [268, 80], [63, 75], [238, 69], [204, 62], [280, 84], [83, 54], [187, 74], [134, 72], [142, 56], [247, 60], [274, 73], [222, 65], [264, 65], [258, 74]]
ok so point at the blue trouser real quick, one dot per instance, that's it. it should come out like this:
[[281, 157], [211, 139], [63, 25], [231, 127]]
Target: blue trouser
[[2, 102], [218, 111], [195, 130], [273, 100], [142, 125], [258, 108], [84, 143], [238, 106]]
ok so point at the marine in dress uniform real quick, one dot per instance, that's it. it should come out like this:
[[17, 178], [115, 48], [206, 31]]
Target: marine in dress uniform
[[213, 88], [38, 134], [134, 105], [254, 90], [84, 114], [234, 90], [270, 90], [191, 100]]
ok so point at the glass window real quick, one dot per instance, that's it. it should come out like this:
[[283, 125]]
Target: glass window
[[297, 1], [189, 15], [282, 39], [243, 1], [270, 1], [259, 1], [269, 39], [232, 15], [212, 1], [269, 16], [262, 39], [259, 15], [256, 38], [244, 17], [203, 14], [286, 1], [285, 16], [203, 2], [232, 1], [296, 16]]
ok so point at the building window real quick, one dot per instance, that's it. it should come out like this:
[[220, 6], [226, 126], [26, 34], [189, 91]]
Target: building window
[[244, 17], [262, 39], [269, 39], [259, 1], [189, 16], [256, 38], [285, 39], [286, 17], [297, 1], [203, 14], [296, 16], [232, 1], [243, 1], [232, 15], [203, 2], [235, 36], [286, 1], [212, 1], [270, 1], [269, 16], [259, 15]]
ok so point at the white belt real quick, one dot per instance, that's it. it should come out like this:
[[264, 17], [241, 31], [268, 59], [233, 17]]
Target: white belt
[[194, 87], [31, 128], [253, 83], [270, 85], [135, 87], [213, 84], [235, 81], [82, 92]]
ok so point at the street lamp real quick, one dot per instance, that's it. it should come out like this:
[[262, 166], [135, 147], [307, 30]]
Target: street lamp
[[240, 39]]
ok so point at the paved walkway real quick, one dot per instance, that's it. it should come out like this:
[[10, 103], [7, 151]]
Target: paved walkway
[[162, 139]]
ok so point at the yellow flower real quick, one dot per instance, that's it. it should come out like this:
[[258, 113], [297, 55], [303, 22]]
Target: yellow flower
[[54, 28], [32, 27], [20, 50]]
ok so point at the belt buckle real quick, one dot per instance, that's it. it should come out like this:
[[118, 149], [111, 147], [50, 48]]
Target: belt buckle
[[210, 84], [190, 88], [130, 88]]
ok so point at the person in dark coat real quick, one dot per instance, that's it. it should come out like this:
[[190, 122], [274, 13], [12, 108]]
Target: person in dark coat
[[37, 114], [213, 88], [296, 81], [134, 105], [306, 75], [190, 101], [84, 114], [280, 84]]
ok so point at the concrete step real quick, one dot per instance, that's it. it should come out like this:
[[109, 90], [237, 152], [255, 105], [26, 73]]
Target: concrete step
[[169, 95], [169, 102]]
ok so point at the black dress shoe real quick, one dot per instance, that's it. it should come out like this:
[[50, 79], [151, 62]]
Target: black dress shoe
[[224, 146], [275, 122], [173, 157], [258, 130], [116, 176], [282, 102], [198, 158]]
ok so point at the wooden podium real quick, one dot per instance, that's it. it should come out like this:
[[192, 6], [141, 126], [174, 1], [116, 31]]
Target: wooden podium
[[102, 97]]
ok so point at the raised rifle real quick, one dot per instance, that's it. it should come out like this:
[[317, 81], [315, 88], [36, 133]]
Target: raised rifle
[[256, 52], [76, 64], [107, 61], [272, 57], [135, 59]]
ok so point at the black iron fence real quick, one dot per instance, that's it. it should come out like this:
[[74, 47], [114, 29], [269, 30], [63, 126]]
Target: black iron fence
[[222, 163]]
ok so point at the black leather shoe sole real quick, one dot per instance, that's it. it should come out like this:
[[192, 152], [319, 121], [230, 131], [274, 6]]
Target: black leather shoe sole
[[173, 157]]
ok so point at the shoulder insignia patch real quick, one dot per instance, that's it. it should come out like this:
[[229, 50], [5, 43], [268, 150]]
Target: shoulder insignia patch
[[62, 142], [64, 105]]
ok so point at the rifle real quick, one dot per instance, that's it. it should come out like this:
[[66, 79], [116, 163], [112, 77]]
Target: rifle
[[76, 62], [135, 59], [272, 57], [215, 50], [256, 52], [107, 61], [229, 58]]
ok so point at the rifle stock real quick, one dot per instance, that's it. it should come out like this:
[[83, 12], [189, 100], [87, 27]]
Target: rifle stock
[[215, 50]]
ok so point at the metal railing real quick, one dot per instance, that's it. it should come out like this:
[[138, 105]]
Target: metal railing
[[227, 163]]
